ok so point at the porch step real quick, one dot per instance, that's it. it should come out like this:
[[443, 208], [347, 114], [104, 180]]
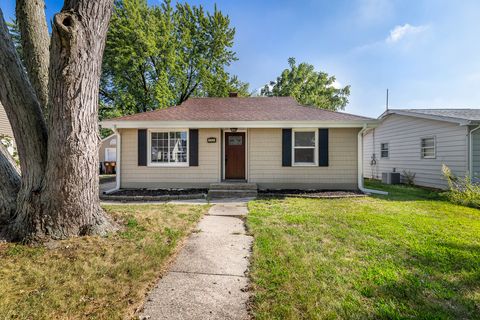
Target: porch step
[[232, 190], [233, 186]]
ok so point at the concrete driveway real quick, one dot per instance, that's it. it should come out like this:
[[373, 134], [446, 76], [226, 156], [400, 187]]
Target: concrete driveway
[[208, 279]]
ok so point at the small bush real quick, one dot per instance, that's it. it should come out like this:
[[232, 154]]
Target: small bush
[[461, 190], [409, 177]]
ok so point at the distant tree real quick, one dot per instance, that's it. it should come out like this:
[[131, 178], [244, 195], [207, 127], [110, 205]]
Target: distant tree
[[308, 87], [158, 56]]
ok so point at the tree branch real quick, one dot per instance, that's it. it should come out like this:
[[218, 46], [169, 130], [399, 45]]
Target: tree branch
[[23, 110], [35, 43]]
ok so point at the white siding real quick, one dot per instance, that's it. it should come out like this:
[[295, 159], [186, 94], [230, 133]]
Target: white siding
[[404, 134], [134, 176], [5, 128], [265, 162]]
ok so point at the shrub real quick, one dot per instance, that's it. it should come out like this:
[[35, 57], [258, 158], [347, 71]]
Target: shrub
[[409, 177], [461, 190]]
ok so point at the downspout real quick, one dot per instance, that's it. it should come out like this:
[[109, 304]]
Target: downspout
[[470, 151], [361, 186], [118, 166]]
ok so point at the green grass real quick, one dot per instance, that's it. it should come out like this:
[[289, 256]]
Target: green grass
[[93, 277], [407, 255]]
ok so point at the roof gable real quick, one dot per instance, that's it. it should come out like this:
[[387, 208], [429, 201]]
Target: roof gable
[[460, 116]]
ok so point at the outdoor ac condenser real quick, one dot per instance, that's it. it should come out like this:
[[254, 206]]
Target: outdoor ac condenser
[[391, 177]]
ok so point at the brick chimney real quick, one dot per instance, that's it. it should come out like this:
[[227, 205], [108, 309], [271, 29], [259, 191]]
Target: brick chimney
[[233, 94]]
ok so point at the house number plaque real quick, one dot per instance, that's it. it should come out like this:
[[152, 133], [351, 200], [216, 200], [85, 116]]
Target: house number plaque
[[212, 140]]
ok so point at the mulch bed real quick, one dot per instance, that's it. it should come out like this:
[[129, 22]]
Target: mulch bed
[[324, 194], [157, 192]]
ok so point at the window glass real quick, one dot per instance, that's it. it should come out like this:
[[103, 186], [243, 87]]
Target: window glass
[[169, 147], [384, 150], [304, 147], [235, 140], [305, 155], [305, 139], [428, 148]]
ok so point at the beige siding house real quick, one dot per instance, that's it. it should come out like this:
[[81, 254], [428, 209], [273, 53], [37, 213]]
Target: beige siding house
[[420, 141], [274, 143]]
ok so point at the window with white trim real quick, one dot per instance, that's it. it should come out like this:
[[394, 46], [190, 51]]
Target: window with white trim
[[384, 150], [428, 148], [305, 146], [168, 147]]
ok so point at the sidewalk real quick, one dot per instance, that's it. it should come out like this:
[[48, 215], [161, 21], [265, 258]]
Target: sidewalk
[[208, 278]]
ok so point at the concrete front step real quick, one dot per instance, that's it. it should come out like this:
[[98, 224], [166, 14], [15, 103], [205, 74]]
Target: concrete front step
[[233, 186], [223, 194]]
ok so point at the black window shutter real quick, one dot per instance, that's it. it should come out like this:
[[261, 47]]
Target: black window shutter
[[193, 147], [323, 147], [142, 147], [286, 147]]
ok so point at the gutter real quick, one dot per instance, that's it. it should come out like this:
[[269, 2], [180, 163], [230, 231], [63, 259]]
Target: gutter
[[361, 186], [118, 166], [470, 151]]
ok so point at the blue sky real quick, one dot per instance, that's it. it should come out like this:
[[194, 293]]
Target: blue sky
[[427, 52]]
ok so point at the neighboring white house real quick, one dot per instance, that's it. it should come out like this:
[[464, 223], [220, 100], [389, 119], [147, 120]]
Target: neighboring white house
[[420, 141], [108, 152]]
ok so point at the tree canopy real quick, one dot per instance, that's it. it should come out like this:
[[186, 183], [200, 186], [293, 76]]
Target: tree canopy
[[308, 87], [158, 56]]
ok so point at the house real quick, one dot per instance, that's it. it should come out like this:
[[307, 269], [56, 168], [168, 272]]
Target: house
[[5, 128], [108, 154], [420, 141], [272, 142]]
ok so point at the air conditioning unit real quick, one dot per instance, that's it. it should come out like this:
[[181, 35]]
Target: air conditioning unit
[[391, 177]]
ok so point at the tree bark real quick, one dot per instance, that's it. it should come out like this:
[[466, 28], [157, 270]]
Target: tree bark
[[71, 183], [9, 186], [35, 42]]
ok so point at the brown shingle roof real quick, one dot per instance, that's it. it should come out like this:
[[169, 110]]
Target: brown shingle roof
[[241, 109]]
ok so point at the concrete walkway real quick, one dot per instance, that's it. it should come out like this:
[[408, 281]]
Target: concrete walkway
[[208, 279]]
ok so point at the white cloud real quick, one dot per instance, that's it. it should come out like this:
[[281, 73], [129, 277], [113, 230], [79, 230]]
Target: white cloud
[[400, 32]]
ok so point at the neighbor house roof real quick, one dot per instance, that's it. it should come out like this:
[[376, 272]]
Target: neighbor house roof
[[255, 109], [460, 116]]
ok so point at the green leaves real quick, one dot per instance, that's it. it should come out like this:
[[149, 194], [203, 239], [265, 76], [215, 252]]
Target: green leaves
[[308, 87], [160, 56]]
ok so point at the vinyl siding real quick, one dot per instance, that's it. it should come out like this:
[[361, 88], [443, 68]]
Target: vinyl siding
[[208, 171], [265, 162], [5, 128], [404, 134]]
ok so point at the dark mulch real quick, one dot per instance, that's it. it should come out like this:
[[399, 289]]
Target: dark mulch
[[310, 193], [157, 192]]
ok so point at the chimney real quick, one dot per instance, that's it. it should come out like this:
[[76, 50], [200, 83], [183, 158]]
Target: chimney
[[233, 94]]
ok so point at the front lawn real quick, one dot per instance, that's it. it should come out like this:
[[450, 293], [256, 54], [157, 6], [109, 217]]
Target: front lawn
[[92, 277], [406, 255]]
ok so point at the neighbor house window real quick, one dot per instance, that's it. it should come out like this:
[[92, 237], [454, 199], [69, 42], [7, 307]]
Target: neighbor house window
[[168, 147], [305, 147], [428, 148], [384, 150]]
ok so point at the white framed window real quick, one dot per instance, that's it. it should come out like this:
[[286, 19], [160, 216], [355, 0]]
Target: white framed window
[[168, 147], [304, 147], [110, 154], [384, 150], [428, 148]]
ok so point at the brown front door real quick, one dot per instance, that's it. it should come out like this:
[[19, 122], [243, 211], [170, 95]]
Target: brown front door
[[235, 155]]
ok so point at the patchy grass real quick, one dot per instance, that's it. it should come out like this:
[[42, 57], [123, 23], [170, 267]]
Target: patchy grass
[[92, 277], [407, 255]]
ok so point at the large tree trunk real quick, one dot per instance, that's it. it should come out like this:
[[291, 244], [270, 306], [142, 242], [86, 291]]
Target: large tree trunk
[[35, 43], [57, 198], [71, 185], [9, 186]]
